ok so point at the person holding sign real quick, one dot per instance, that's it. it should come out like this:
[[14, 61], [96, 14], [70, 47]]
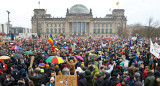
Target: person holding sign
[[72, 64]]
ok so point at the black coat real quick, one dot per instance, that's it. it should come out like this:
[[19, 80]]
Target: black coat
[[98, 82], [106, 81], [82, 80], [114, 81]]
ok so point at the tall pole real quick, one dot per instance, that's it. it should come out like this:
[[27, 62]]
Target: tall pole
[[38, 33], [8, 26]]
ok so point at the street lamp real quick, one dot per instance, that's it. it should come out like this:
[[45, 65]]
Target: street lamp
[[8, 27]]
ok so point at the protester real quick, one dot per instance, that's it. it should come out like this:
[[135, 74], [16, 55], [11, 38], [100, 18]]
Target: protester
[[95, 62]]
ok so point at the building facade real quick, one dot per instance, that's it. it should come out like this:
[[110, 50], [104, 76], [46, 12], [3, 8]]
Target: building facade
[[17, 30], [79, 21], [3, 28]]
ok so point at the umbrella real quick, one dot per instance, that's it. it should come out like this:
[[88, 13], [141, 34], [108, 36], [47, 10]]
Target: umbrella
[[93, 56], [28, 53], [19, 43], [126, 44], [4, 57], [55, 59], [79, 57], [105, 47], [16, 48], [120, 46], [64, 51], [2, 53], [19, 56], [28, 48], [20, 52], [74, 44], [41, 64]]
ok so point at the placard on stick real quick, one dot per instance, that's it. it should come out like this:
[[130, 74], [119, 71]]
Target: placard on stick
[[66, 80]]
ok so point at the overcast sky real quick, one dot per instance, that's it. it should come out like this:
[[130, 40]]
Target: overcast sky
[[137, 11]]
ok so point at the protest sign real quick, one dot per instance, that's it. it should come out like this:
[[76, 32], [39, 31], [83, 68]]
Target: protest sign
[[66, 80]]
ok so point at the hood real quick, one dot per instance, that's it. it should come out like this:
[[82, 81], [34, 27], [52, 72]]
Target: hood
[[107, 75], [99, 81], [81, 76], [87, 72], [79, 69], [149, 73]]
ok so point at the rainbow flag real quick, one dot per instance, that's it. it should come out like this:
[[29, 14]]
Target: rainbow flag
[[117, 3], [51, 41]]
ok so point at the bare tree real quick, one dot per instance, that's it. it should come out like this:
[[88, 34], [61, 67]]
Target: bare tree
[[122, 32]]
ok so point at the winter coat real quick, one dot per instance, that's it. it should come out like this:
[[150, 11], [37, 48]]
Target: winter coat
[[150, 80], [71, 64], [89, 77], [82, 80], [131, 71], [114, 81], [36, 79], [65, 71], [137, 83], [98, 82], [106, 81], [8, 83], [43, 78]]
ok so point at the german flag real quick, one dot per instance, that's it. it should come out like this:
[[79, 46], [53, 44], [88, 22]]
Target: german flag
[[63, 29], [95, 20]]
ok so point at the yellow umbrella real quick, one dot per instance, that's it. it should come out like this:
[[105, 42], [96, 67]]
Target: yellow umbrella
[[4, 57]]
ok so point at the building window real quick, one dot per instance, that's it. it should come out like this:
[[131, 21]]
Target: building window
[[75, 28], [39, 24], [118, 25], [94, 25], [63, 30], [47, 31], [98, 31], [55, 31], [102, 25], [55, 25], [110, 25], [110, 31], [63, 25], [79, 28], [94, 30], [106, 25], [83, 28], [51, 25], [51, 30], [102, 30], [59, 30], [106, 30], [98, 25], [59, 25], [46, 25]]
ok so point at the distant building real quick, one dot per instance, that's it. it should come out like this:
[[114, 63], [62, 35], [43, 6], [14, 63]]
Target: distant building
[[17, 30], [3, 28], [79, 21]]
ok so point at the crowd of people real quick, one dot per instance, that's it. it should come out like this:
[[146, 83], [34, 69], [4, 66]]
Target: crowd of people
[[95, 61]]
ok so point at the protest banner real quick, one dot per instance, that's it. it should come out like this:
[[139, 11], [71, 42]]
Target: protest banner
[[155, 49], [66, 80]]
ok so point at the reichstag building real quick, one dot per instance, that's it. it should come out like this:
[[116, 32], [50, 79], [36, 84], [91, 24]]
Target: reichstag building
[[79, 21]]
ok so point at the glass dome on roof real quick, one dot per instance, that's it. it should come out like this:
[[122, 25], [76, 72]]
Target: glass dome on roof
[[78, 9]]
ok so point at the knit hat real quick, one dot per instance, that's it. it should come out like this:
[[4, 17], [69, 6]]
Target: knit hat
[[57, 66], [65, 65], [42, 70], [128, 78]]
